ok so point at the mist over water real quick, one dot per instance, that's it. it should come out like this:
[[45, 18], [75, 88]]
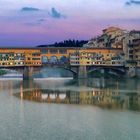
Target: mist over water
[[42, 73]]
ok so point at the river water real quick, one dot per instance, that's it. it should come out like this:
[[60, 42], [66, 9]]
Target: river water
[[66, 109]]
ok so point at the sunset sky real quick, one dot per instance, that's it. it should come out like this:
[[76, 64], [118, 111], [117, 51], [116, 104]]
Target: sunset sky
[[35, 22]]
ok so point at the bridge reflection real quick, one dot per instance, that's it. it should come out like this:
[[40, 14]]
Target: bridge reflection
[[103, 97], [45, 95]]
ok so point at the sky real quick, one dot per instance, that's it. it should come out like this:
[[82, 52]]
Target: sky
[[36, 22]]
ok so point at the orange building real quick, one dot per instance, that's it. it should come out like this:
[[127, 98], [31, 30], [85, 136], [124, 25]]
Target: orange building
[[98, 56]]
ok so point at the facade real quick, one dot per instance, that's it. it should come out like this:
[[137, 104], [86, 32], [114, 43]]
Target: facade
[[97, 57], [20, 57], [114, 37], [128, 41], [133, 51], [111, 37]]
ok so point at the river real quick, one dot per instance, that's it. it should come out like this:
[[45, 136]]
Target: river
[[66, 109]]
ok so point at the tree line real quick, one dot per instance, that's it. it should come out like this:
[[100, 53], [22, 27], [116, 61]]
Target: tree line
[[67, 43]]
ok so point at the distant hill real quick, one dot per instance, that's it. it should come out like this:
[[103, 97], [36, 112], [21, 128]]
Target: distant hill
[[67, 43]]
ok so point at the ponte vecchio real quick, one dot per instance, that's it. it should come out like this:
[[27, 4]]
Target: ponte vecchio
[[80, 61]]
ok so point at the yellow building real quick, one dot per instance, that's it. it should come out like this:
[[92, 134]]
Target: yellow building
[[85, 58], [20, 57], [33, 58], [97, 56]]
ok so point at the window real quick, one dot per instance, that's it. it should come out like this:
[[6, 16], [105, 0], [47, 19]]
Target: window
[[63, 51], [53, 51], [35, 58], [44, 51], [36, 54]]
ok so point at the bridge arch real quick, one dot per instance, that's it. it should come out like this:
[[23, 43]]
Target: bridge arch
[[63, 60], [110, 70], [73, 71], [59, 71]]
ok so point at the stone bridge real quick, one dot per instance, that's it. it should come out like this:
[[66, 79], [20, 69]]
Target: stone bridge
[[30, 60]]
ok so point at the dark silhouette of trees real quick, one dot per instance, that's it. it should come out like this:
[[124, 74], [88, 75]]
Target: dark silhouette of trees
[[67, 43]]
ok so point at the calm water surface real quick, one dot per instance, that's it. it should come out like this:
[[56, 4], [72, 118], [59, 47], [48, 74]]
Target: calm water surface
[[64, 109]]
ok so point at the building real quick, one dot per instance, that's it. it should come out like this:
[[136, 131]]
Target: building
[[20, 57], [113, 32], [98, 57], [111, 38]]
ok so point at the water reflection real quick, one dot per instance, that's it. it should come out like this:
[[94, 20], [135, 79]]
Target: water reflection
[[102, 93]]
